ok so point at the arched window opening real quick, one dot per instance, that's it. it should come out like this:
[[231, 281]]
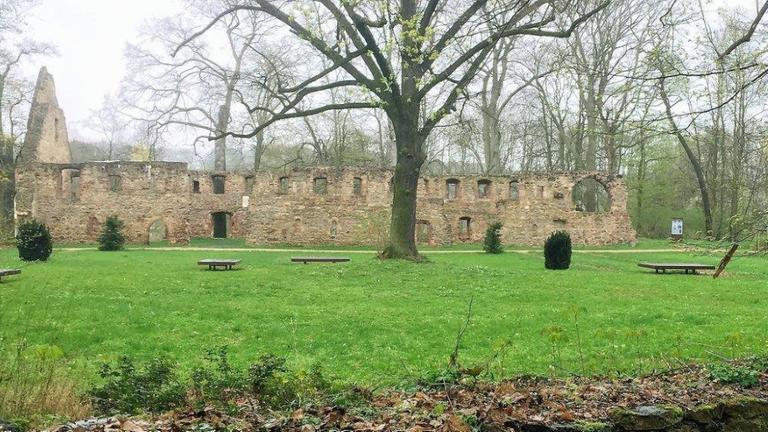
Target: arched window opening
[[591, 196], [157, 231], [357, 186]]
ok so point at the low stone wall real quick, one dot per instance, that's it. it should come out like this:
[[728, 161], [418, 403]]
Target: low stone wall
[[742, 414], [308, 206]]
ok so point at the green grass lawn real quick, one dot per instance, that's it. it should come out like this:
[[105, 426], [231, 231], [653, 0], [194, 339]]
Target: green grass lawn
[[372, 322], [239, 243]]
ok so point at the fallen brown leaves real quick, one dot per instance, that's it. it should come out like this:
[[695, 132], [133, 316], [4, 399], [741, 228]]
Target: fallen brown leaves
[[496, 406]]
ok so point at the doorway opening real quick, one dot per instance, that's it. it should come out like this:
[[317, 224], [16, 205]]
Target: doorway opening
[[220, 222]]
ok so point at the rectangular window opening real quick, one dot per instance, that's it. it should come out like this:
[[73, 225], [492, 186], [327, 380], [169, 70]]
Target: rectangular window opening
[[218, 184], [249, 182], [321, 186], [115, 183], [452, 189], [283, 186]]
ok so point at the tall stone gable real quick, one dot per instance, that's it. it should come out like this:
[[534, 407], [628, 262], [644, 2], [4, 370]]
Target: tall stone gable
[[47, 139]]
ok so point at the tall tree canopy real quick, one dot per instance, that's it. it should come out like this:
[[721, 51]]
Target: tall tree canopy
[[413, 59]]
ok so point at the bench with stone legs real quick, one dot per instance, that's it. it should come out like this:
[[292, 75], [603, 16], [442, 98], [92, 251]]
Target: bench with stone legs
[[215, 263], [8, 272], [316, 259]]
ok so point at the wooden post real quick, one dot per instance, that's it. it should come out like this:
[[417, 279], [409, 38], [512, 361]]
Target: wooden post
[[726, 259]]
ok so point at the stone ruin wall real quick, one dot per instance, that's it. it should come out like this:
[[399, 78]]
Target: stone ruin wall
[[75, 199], [47, 139]]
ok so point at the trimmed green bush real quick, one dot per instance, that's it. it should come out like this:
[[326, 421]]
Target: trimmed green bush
[[492, 243], [34, 241], [557, 251], [112, 238]]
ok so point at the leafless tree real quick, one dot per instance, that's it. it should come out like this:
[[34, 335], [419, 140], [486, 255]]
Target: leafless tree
[[206, 82], [112, 126], [15, 94], [400, 57]]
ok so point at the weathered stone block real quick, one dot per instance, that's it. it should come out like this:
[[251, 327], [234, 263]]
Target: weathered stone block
[[745, 408], [746, 425], [646, 418], [705, 414]]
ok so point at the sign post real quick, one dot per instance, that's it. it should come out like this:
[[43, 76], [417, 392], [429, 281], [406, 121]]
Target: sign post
[[677, 229]]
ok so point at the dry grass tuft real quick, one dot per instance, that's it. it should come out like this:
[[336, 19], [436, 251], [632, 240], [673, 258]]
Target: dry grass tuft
[[35, 386]]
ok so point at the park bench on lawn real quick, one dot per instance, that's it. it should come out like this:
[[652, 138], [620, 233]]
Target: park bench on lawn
[[215, 263], [8, 272], [688, 267], [316, 259], [663, 267]]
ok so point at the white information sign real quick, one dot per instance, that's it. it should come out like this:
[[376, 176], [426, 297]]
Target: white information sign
[[677, 227]]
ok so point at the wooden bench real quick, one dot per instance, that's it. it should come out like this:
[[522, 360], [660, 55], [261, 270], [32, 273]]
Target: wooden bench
[[319, 259], [9, 272], [215, 263], [688, 267]]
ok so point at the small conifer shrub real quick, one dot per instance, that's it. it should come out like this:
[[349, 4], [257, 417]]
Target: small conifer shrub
[[492, 243], [34, 241], [112, 238], [557, 251]]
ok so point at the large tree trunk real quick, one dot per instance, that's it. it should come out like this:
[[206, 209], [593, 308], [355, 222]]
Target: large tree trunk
[[258, 150], [7, 186], [410, 157], [220, 147]]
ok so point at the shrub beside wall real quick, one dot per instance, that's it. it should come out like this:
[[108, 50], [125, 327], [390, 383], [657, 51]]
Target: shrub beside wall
[[492, 243], [557, 251], [112, 238], [34, 241]]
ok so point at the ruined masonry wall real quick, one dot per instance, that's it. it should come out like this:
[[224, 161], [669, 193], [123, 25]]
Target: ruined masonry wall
[[47, 139], [74, 200]]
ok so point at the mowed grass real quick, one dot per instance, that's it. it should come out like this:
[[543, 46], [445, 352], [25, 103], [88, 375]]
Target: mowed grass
[[373, 322]]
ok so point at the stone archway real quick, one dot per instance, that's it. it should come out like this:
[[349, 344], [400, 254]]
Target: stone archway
[[591, 196], [423, 232], [158, 231]]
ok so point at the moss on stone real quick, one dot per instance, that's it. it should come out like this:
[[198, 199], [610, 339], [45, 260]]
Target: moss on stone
[[646, 418], [585, 426], [746, 425], [705, 414], [746, 407]]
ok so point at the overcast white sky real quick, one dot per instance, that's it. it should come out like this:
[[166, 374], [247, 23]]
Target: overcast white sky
[[91, 35]]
